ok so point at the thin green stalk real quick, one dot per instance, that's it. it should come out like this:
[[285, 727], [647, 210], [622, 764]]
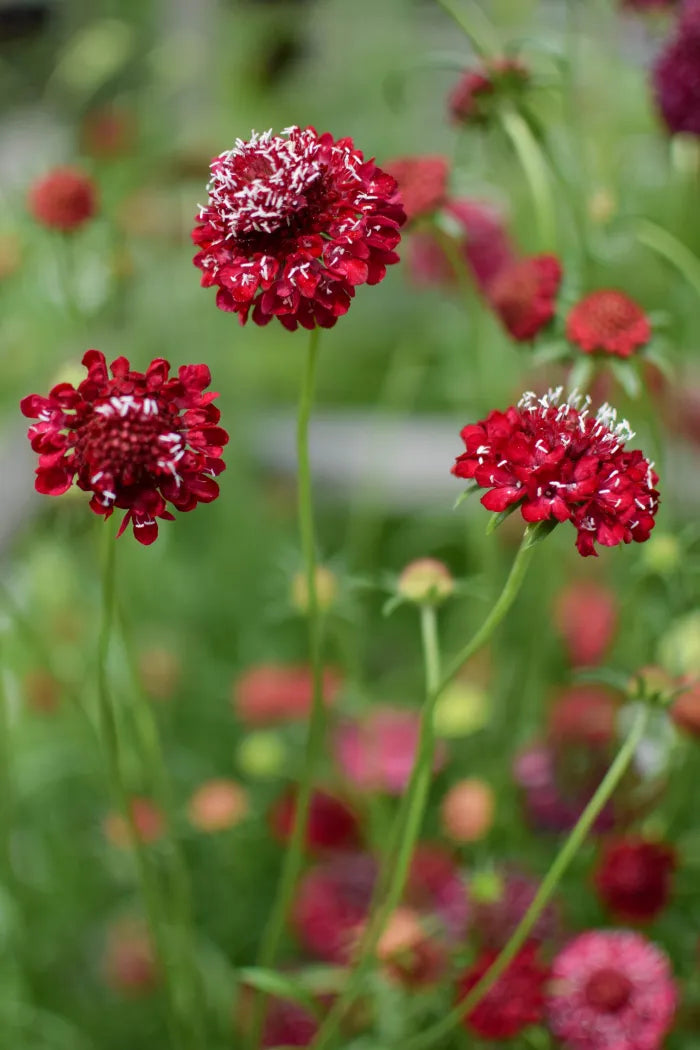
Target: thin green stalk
[[409, 818], [671, 249], [317, 721], [179, 882], [109, 736], [475, 25], [536, 172], [550, 882]]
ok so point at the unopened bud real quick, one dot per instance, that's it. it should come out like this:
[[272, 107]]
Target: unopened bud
[[426, 581], [261, 755], [326, 590], [467, 810]]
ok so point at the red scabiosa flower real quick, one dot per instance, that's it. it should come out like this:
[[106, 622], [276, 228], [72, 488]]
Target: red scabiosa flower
[[611, 989], [583, 716], [677, 74], [422, 183], [524, 295], [633, 878], [500, 899], [585, 614], [63, 200], [608, 322], [138, 441], [332, 825], [558, 463], [288, 1024], [271, 694], [293, 223], [516, 999], [472, 99], [332, 905]]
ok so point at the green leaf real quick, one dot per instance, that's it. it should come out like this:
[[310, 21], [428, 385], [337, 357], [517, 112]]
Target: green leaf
[[603, 676], [628, 378], [540, 531], [497, 519], [392, 604], [471, 487], [281, 985], [550, 352], [581, 375]]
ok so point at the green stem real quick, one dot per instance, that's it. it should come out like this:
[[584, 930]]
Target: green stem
[[476, 26], [549, 884], [109, 735], [671, 249], [536, 172], [317, 722], [409, 818]]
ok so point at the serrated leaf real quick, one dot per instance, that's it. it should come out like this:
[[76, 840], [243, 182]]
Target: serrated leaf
[[281, 985]]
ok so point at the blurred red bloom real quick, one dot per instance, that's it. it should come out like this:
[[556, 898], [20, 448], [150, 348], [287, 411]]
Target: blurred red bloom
[[608, 322], [677, 74], [288, 1024], [293, 223], [129, 962], [332, 904], [558, 463], [470, 101], [585, 614], [107, 132], [524, 295], [136, 441], [332, 825], [611, 988], [515, 1001], [148, 819], [378, 754], [63, 200], [633, 877], [583, 714], [269, 693], [496, 914], [685, 710], [422, 183], [408, 953], [436, 887], [556, 790]]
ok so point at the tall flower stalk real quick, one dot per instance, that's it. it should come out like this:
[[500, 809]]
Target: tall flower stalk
[[317, 722]]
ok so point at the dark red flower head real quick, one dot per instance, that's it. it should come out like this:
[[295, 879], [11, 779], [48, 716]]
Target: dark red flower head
[[516, 999], [422, 183], [677, 74], [471, 100], [293, 223], [633, 878], [64, 199], [138, 441], [611, 988], [558, 463], [332, 825], [288, 1024], [332, 904], [608, 322], [524, 295]]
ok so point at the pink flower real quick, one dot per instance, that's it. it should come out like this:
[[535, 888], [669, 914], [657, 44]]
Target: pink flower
[[558, 463], [138, 441], [293, 223], [270, 694], [378, 754], [611, 990]]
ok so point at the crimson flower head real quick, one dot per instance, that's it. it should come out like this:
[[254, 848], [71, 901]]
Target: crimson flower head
[[473, 97], [633, 878], [608, 322], [63, 200], [523, 294], [332, 825], [516, 999], [422, 183], [138, 441], [558, 463], [293, 223], [677, 74], [611, 988]]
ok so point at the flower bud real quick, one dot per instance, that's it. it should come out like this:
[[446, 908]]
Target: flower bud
[[679, 648], [467, 810], [217, 805], [662, 554], [326, 590], [426, 581], [261, 755], [460, 710]]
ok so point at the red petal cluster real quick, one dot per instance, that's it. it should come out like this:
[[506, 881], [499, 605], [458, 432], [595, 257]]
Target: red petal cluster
[[332, 825], [516, 999], [558, 463], [586, 615], [677, 74], [422, 183], [611, 988], [608, 322], [270, 694], [524, 294], [63, 200], [138, 441], [469, 101], [293, 223], [332, 905], [633, 878]]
